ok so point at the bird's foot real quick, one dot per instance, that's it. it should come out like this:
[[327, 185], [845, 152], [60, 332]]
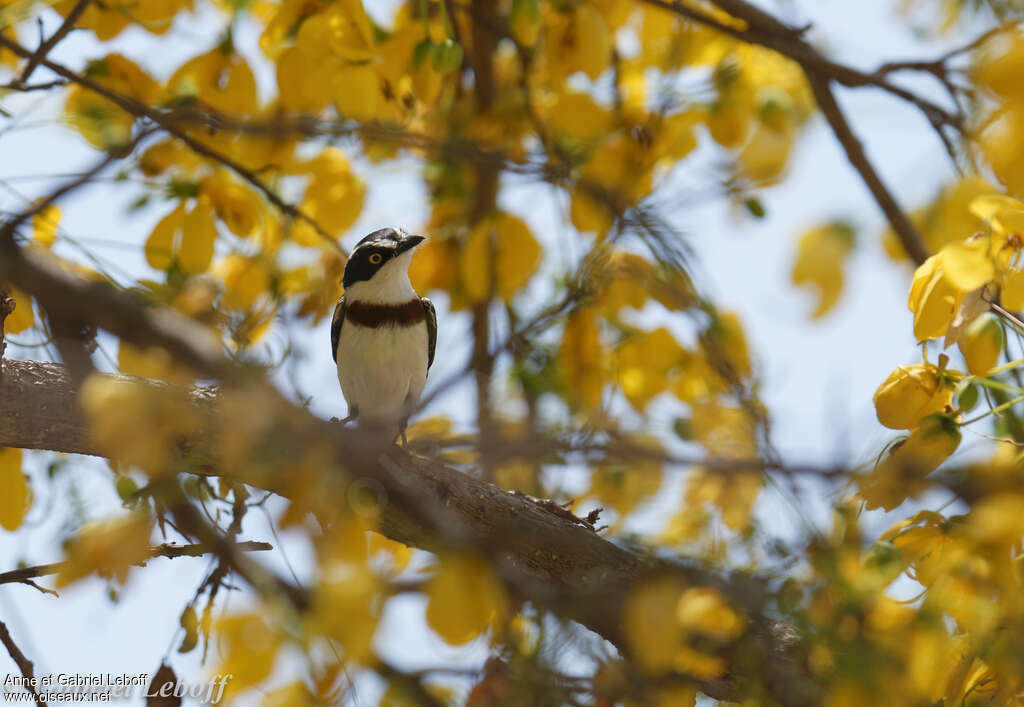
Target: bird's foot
[[348, 419]]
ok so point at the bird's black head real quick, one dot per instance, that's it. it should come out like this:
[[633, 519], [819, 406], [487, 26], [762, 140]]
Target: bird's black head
[[375, 251]]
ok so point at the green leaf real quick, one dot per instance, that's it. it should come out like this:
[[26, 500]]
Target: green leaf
[[754, 206]]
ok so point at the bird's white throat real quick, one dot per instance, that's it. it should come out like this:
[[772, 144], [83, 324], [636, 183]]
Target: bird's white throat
[[389, 285]]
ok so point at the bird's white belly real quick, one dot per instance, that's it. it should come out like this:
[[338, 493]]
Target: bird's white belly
[[382, 370]]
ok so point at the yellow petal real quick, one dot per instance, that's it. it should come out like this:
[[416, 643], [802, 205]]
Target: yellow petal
[[14, 491], [652, 634], [245, 279], [357, 92], [821, 253], [909, 394], [220, 79], [44, 225], [933, 300], [160, 244], [198, 235], [22, 317], [966, 265], [250, 646], [1009, 221], [982, 344], [499, 258], [766, 154], [1013, 290], [583, 360], [901, 474], [110, 548], [988, 205], [464, 599]]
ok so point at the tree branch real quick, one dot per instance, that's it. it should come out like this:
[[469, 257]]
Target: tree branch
[[169, 550], [905, 230], [45, 47], [545, 556], [764, 30], [23, 663], [166, 122]]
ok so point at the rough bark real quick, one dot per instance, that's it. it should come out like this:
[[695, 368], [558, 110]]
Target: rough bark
[[545, 554]]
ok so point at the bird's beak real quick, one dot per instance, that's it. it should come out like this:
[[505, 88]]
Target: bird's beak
[[408, 243]]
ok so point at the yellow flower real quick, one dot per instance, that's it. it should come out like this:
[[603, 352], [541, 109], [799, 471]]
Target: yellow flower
[[15, 495], [334, 197], [583, 360], [235, 204], [220, 79], [580, 41], [933, 299], [101, 122], [901, 474], [110, 548], [947, 219], [967, 264], [498, 259], [644, 362], [464, 599], [245, 280], [820, 255], [982, 344], [911, 393], [1000, 64]]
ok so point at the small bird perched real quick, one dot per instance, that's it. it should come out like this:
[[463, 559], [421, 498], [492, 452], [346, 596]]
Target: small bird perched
[[383, 334]]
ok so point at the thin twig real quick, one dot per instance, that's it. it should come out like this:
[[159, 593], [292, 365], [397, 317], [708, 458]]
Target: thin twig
[[167, 121], [22, 88], [929, 65], [45, 47], [23, 663], [768, 32], [168, 550], [11, 225]]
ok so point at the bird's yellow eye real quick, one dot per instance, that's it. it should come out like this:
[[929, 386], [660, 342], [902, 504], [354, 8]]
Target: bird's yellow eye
[[375, 258]]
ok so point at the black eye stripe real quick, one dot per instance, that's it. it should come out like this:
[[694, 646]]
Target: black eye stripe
[[366, 260]]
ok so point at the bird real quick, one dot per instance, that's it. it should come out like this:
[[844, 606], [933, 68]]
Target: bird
[[383, 334]]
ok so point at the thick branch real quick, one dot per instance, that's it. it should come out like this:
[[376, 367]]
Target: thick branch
[[61, 293], [546, 556]]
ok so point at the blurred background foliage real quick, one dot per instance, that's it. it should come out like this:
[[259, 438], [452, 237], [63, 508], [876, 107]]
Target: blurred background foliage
[[597, 371]]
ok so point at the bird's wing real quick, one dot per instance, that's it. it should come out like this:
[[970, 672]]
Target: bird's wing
[[428, 308], [336, 322]]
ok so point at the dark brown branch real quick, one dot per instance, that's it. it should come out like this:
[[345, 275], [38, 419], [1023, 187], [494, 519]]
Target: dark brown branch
[[60, 292], [22, 88], [764, 30], [169, 550], [23, 663], [45, 47], [544, 556], [907, 233]]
